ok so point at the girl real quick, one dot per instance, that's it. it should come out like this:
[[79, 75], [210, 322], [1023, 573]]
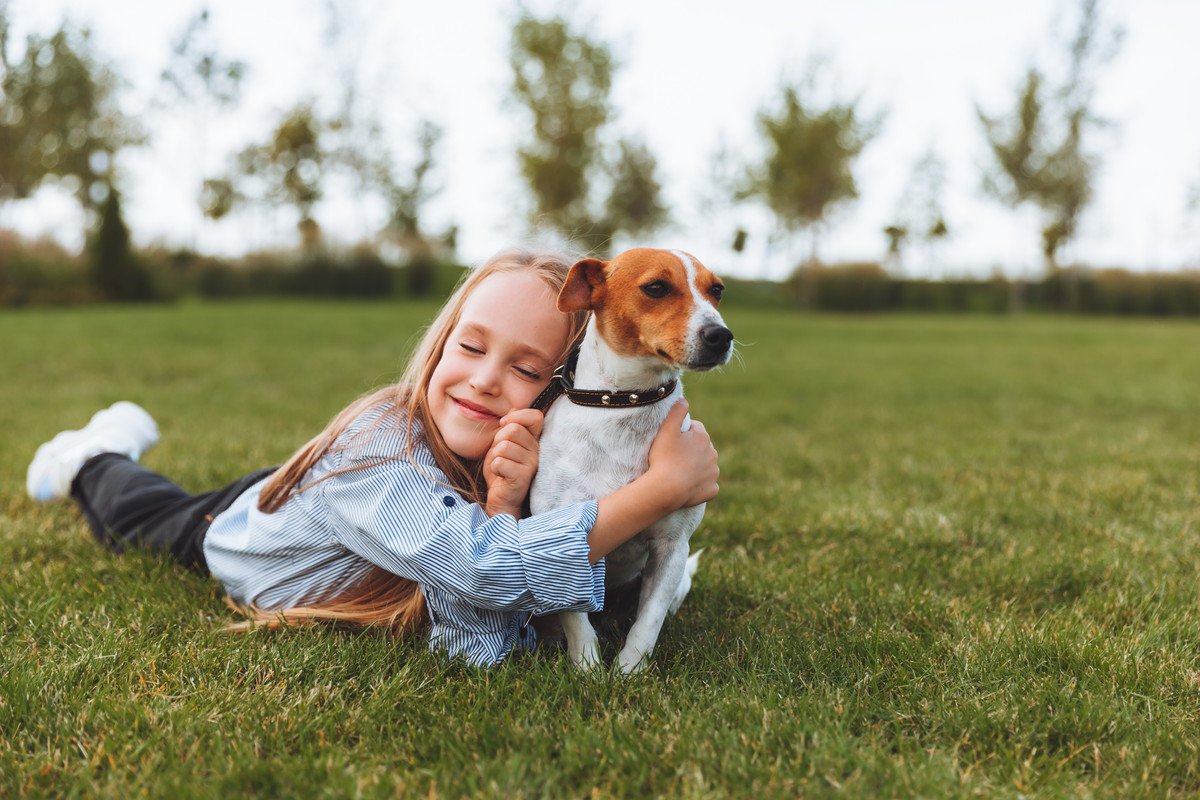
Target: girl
[[407, 507]]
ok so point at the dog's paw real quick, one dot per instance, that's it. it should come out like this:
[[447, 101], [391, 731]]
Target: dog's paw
[[585, 655], [632, 661]]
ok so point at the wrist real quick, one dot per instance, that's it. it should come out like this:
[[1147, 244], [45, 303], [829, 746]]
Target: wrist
[[492, 508], [668, 494]]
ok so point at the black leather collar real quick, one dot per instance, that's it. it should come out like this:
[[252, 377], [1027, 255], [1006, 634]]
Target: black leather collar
[[563, 382]]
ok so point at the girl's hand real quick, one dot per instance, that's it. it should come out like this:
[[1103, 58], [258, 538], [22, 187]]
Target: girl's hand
[[512, 461], [684, 462]]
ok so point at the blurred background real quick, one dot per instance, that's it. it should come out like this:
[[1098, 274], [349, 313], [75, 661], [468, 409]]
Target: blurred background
[[864, 155]]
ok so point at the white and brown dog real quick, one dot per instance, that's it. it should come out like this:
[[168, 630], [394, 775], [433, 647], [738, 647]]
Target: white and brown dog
[[654, 315]]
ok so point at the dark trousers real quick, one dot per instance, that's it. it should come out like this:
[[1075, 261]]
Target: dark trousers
[[128, 507]]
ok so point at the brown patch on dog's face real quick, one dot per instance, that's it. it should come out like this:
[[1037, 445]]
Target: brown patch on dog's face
[[645, 302]]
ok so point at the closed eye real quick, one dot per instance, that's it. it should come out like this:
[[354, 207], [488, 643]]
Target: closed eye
[[470, 349], [528, 373]]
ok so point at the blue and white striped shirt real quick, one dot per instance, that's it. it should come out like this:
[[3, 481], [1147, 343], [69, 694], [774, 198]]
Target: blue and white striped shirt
[[481, 576]]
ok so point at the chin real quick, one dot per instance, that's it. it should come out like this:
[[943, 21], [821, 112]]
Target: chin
[[468, 448]]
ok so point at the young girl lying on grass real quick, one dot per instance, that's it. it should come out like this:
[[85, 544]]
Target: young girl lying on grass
[[407, 506]]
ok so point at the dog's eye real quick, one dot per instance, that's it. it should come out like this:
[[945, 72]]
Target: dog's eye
[[656, 289], [717, 291]]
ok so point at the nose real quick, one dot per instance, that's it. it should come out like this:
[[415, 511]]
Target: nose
[[486, 377], [716, 337]]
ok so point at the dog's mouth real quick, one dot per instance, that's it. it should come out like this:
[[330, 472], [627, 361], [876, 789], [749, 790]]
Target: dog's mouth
[[705, 366], [698, 365]]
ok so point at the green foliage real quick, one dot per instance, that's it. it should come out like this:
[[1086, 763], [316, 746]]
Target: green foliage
[[1040, 151], [407, 199], [810, 153], [868, 287], [317, 274], [421, 276], [287, 169], [59, 118], [952, 557], [896, 235], [563, 78], [114, 266], [635, 202], [847, 287], [41, 274]]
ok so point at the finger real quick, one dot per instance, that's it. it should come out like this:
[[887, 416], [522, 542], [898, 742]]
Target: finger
[[675, 416], [522, 445], [504, 468], [514, 451], [529, 418], [515, 432], [511, 470]]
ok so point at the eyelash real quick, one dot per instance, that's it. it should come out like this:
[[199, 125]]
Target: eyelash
[[533, 376]]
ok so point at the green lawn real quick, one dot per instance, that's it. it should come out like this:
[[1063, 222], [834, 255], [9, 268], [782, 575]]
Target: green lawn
[[951, 556]]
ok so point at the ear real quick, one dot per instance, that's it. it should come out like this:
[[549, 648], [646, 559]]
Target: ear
[[582, 281]]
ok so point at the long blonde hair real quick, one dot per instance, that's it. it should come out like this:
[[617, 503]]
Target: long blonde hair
[[381, 598]]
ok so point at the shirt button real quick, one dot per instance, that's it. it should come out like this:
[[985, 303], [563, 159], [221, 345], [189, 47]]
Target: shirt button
[[448, 501]]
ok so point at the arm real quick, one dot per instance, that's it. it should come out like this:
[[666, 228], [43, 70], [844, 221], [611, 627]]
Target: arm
[[394, 516], [683, 472]]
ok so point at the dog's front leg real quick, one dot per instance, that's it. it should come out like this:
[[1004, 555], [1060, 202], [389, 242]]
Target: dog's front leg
[[582, 644], [660, 583]]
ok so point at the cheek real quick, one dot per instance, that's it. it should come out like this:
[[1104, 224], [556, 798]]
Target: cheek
[[521, 393], [446, 373]]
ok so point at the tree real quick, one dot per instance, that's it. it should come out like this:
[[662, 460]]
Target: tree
[[287, 169], [563, 78], [406, 201], [810, 153], [1040, 150], [197, 73], [722, 184], [59, 117], [199, 76], [897, 235], [635, 202], [114, 267], [920, 214], [358, 146]]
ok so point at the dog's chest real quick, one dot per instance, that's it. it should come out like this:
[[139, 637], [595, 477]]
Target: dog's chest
[[587, 453]]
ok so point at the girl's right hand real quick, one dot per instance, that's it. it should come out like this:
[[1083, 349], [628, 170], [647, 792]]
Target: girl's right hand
[[684, 463]]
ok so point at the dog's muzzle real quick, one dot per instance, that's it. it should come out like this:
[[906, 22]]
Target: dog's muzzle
[[716, 344]]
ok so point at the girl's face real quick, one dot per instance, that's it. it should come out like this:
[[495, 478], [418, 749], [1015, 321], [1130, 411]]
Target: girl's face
[[498, 358]]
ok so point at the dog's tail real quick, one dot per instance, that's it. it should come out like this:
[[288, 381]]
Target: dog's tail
[[685, 583]]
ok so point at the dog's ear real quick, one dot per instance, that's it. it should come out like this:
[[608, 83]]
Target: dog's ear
[[579, 292]]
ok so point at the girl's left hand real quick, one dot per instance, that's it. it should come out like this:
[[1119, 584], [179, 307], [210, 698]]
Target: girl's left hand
[[512, 461]]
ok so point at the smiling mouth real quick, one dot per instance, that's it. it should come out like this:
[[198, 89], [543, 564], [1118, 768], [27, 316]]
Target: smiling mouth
[[472, 411]]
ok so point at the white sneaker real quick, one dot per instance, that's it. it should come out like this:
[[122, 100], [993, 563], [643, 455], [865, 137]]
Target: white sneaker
[[123, 428]]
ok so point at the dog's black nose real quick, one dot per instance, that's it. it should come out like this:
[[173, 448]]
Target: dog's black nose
[[717, 337]]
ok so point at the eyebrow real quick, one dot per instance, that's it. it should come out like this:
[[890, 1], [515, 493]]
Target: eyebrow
[[524, 348]]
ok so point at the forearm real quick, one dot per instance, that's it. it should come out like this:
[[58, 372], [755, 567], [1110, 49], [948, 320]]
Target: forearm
[[626, 512]]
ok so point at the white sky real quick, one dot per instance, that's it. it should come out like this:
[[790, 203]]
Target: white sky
[[692, 75]]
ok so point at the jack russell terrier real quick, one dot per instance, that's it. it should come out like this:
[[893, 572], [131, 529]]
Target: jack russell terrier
[[654, 315]]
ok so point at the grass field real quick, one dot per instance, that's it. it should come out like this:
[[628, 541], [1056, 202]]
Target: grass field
[[951, 556]]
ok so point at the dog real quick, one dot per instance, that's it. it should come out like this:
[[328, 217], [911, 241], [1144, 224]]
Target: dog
[[654, 314]]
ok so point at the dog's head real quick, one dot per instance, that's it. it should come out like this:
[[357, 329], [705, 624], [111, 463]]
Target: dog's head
[[653, 304]]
